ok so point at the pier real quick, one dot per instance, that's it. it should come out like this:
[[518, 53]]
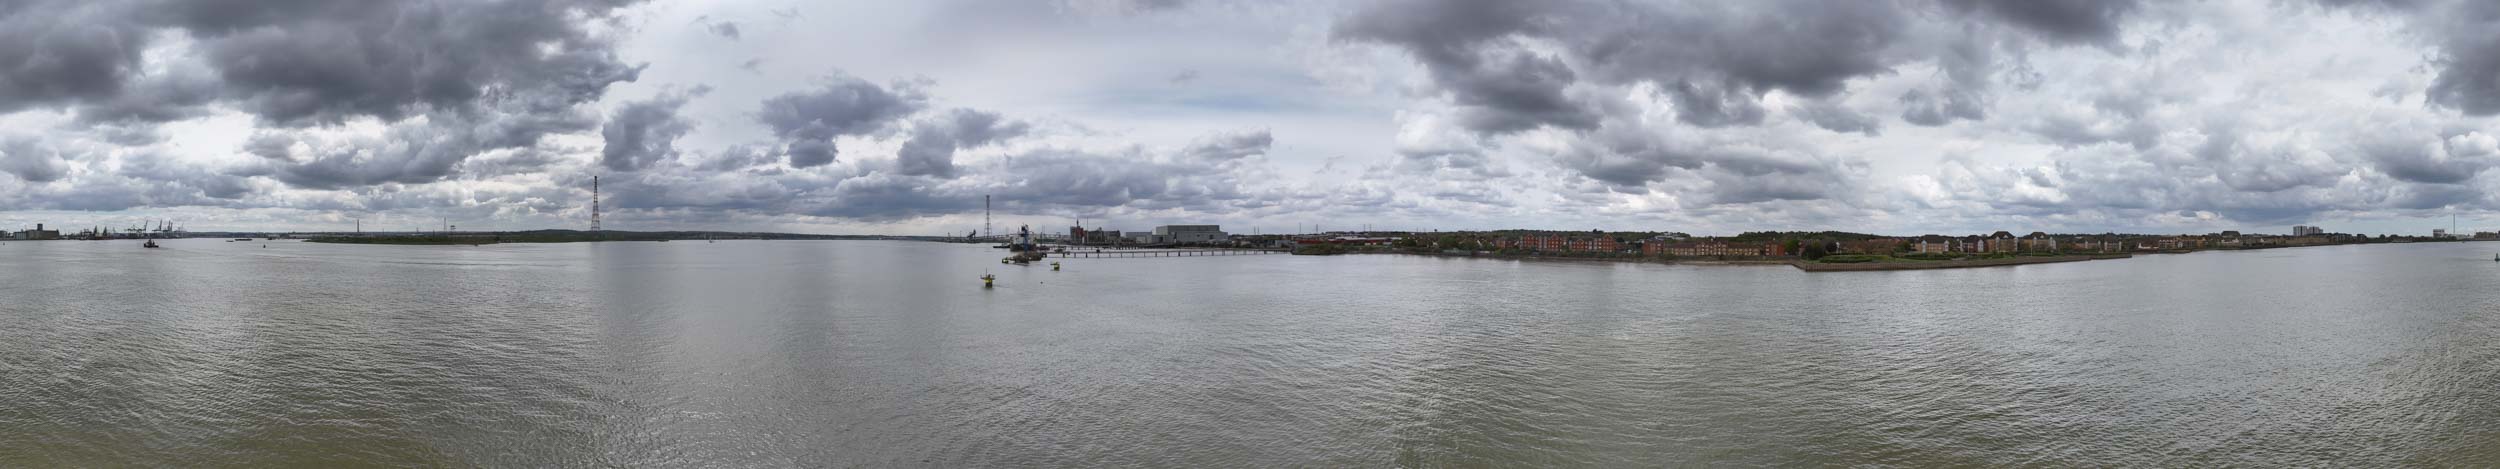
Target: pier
[[1134, 253]]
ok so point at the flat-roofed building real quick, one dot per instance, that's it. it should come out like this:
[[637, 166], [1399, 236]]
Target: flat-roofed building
[[37, 234], [1190, 234]]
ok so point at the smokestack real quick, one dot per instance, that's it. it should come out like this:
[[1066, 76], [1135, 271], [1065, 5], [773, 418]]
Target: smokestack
[[38, 227]]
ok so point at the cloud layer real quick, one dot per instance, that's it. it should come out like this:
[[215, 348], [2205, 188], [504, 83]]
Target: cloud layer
[[1686, 115]]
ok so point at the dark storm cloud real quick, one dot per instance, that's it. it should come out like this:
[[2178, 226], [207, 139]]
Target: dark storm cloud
[[931, 150], [172, 96], [2469, 66], [299, 63], [1464, 45], [645, 132], [63, 51], [808, 121], [2063, 20]]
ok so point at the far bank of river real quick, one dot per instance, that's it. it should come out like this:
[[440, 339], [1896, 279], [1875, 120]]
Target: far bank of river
[[1952, 264], [1809, 266]]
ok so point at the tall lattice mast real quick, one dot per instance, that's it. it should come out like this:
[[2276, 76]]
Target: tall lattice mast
[[594, 203]]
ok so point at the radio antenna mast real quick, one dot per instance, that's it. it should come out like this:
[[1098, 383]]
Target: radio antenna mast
[[594, 203]]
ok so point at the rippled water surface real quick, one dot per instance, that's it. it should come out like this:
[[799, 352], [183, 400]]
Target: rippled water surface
[[831, 353]]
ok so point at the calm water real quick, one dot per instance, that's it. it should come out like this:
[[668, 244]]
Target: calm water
[[804, 353]]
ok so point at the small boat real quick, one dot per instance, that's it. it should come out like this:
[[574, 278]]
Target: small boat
[[151, 244], [988, 280]]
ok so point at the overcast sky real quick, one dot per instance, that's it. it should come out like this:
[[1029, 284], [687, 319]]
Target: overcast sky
[[894, 117]]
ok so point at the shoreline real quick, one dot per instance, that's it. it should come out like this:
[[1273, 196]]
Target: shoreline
[[1957, 264], [1803, 265]]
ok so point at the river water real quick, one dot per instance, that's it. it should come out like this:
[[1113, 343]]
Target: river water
[[890, 354]]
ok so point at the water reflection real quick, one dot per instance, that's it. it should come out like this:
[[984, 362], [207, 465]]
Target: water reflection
[[752, 353]]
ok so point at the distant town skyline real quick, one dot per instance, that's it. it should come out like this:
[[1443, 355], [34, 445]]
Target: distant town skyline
[[1896, 117]]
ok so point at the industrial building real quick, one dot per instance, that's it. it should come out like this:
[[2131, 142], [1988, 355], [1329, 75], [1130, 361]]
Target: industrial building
[[37, 234], [1189, 234]]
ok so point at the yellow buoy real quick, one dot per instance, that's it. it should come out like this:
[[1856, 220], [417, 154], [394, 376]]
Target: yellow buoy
[[988, 281]]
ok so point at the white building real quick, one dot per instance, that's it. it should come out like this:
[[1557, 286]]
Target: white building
[[1190, 234]]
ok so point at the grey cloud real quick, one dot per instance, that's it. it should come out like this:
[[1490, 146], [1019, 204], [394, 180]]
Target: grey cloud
[[2433, 160], [1463, 45], [1714, 60], [1123, 6], [297, 63], [1513, 66], [1450, 166], [727, 29], [931, 149], [1473, 193], [1962, 94], [271, 145], [2063, 20], [736, 157], [1057, 181], [185, 179], [31, 160], [2469, 66], [128, 135], [1629, 159], [2071, 130], [644, 132], [808, 121], [1935, 108], [2468, 59], [486, 76], [1834, 117], [175, 95], [2387, 4], [1229, 146], [414, 152], [2267, 176], [58, 52]]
